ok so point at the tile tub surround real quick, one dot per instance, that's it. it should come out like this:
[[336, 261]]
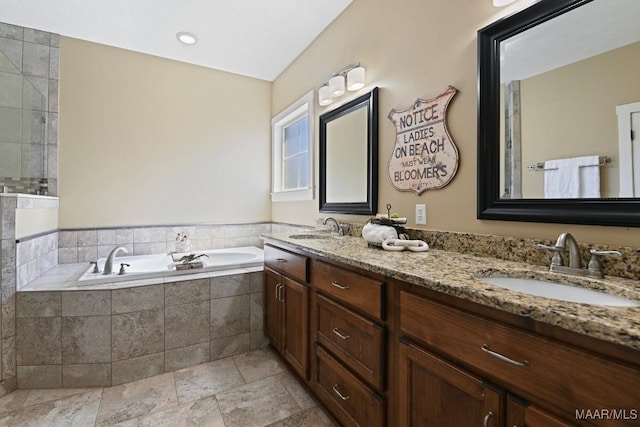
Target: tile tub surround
[[35, 256], [96, 338], [456, 274], [85, 245]]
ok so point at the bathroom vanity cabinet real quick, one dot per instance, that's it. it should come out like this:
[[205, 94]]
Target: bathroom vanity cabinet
[[286, 306], [349, 344], [384, 352], [544, 372]]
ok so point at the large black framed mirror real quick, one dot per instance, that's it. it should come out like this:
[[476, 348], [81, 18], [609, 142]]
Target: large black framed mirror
[[513, 136], [349, 157]]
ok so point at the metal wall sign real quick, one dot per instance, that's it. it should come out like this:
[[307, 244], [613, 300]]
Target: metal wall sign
[[424, 156]]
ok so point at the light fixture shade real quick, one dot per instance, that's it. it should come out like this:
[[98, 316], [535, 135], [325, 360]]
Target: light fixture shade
[[500, 3], [355, 78], [336, 85], [324, 96]]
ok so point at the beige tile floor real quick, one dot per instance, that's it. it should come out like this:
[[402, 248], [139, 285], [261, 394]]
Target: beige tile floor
[[251, 389]]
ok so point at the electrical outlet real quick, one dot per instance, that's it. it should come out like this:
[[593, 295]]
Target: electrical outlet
[[421, 214]]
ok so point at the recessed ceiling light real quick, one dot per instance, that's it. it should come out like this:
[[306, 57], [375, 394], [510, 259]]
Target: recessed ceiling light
[[186, 38]]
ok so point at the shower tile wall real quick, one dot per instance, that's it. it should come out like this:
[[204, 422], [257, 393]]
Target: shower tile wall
[[8, 282], [29, 73]]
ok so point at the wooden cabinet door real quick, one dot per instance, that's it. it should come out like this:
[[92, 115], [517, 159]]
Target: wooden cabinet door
[[435, 393], [273, 308], [296, 325], [520, 414]]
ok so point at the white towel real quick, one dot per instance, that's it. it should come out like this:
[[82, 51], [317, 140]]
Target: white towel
[[566, 179], [590, 177]]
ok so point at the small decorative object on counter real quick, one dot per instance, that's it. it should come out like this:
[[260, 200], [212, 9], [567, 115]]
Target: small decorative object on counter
[[191, 257], [398, 245], [380, 228], [188, 262], [189, 266], [183, 244]]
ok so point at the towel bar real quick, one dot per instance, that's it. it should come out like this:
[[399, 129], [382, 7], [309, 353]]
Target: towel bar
[[539, 167]]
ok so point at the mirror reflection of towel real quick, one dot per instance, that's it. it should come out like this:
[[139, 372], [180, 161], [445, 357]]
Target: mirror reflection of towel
[[572, 178]]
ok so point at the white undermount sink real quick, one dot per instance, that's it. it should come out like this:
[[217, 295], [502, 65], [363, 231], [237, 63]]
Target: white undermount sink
[[559, 291]]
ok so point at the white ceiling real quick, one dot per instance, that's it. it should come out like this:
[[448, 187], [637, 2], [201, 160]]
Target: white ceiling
[[589, 30], [256, 38]]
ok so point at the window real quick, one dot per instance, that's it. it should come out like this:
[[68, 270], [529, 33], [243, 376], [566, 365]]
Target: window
[[292, 151]]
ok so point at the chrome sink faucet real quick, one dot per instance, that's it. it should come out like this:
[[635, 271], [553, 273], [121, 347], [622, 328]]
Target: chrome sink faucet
[[108, 265], [594, 269], [339, 227]]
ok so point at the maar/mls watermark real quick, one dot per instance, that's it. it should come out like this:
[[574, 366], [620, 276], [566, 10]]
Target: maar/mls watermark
[[607, 414]]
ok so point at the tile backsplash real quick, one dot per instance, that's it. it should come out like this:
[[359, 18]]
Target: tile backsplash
[[520, 249], [86, 245]]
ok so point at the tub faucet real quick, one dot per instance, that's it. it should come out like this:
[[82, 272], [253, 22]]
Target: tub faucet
[[108, 264]]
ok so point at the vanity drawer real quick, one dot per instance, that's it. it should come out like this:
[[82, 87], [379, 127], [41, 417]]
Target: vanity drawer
[[293, 265], [349, 400], [537, 368], [356, 341], [351, 288]]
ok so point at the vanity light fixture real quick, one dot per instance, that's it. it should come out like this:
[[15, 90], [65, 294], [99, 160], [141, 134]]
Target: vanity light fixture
[[186, 38], [349, 78], [336, 85], [324, 95]]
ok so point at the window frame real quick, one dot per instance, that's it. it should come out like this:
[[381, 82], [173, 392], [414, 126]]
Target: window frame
[[296, 111]]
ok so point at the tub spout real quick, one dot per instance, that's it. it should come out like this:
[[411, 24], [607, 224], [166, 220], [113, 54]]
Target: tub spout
[[108, 264]]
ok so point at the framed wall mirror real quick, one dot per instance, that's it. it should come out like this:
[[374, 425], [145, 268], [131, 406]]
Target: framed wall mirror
[[349, 157], [558, 110]]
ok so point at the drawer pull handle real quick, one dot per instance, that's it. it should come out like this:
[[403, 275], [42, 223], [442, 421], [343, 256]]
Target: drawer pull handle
[[281, 260], [339, 286], [524, 363], [339, 334], [342, 396], [487, 418]]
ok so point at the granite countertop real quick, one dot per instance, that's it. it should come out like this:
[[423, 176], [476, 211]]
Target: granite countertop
[[457, 274]]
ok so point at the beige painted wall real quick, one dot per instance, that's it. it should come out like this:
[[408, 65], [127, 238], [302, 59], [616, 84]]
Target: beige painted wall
[[411, 49], [571, 112], [146, 140], [32, 221]]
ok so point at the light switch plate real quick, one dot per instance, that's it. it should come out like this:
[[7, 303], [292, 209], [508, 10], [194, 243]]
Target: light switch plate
[[421, 214]]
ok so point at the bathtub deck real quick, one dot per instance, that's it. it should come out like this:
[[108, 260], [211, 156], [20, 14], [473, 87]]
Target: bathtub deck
[[65, 277]]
